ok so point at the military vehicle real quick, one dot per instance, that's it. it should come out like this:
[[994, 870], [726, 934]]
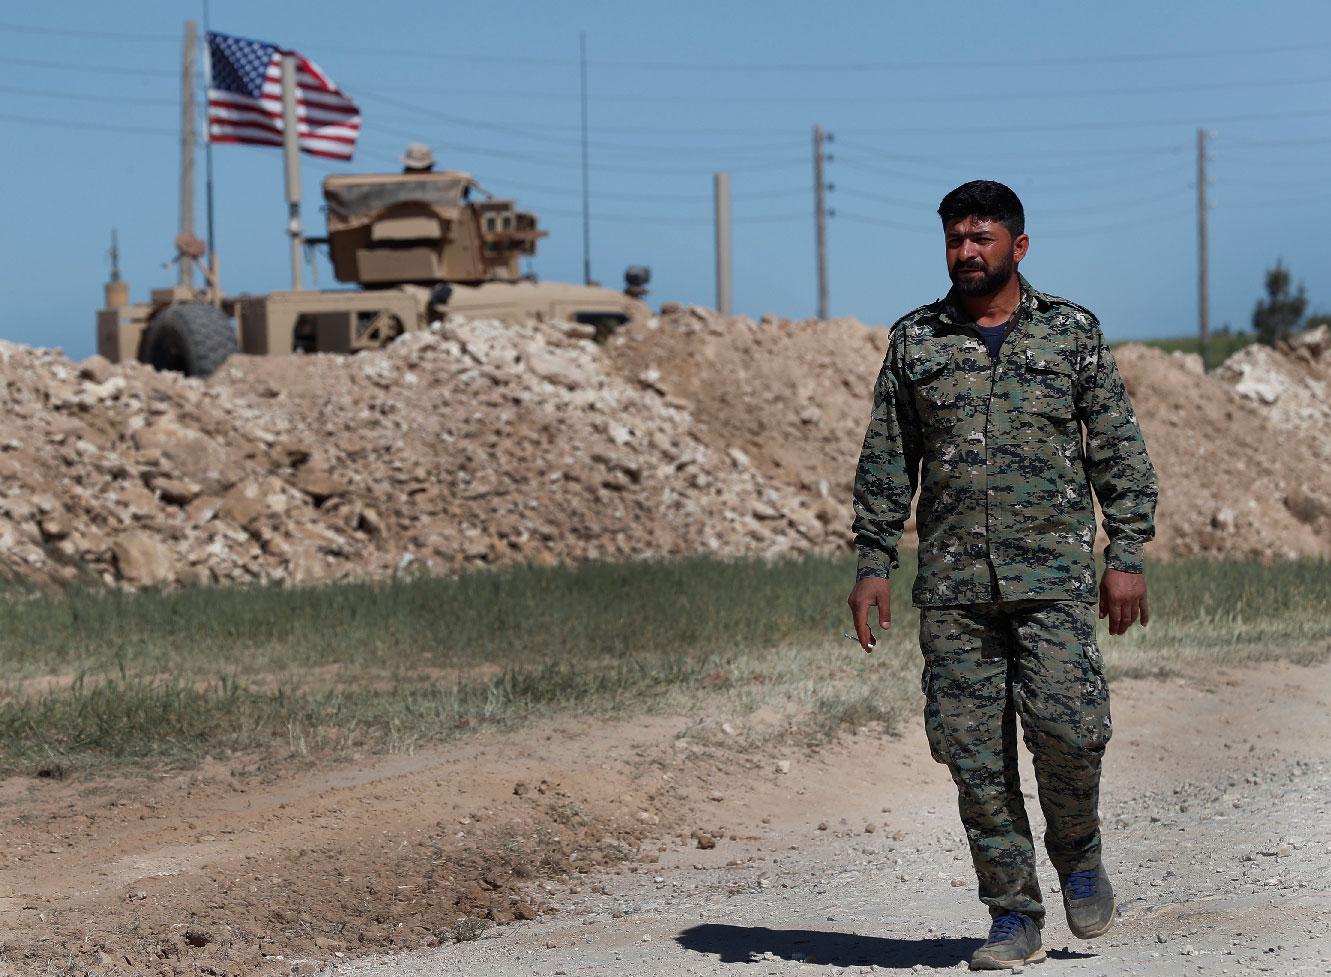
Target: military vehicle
[[418, 246]]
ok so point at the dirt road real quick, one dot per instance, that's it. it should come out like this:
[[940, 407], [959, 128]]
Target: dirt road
[[1218, 814], [584, 832]]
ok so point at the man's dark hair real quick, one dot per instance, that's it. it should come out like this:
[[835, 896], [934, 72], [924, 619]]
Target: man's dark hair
[[984, 200]]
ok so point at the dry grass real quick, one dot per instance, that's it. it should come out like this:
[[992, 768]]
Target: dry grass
[[97, 679]]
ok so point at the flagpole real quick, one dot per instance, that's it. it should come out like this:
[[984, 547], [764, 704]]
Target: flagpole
[[291, 153], [188, 138], [586, 204], [213, 289]]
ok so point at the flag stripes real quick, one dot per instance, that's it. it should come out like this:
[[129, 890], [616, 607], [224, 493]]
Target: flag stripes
[[245, 99]]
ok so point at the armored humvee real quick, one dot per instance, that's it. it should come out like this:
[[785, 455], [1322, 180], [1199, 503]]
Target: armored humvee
[[418, 246]]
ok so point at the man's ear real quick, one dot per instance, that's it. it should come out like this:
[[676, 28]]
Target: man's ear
[[1020, 245]]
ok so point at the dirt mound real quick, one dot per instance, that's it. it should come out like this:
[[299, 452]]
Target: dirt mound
[[478, 443], [1241, 473], [792, 396], [481, 442], [1235, 479]]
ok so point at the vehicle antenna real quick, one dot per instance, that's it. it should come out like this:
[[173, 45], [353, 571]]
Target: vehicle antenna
[[114, 254]]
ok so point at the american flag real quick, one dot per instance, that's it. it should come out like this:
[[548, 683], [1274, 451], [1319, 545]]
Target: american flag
[[245, 99]]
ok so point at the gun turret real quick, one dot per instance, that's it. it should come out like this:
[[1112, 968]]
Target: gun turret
[[422, 228]]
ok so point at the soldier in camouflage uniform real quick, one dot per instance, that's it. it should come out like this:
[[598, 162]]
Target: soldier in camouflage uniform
[[981, 403]]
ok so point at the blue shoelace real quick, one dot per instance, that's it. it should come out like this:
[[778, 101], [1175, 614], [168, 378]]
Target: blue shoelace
[[1005, 926], [1082, 885]]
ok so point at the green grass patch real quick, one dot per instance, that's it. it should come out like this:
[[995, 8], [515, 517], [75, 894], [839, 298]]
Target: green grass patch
[[103, 679], [1222, 345]]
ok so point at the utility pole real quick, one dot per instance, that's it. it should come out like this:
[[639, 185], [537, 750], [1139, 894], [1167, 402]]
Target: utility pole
[[721, 193], [586, 205], [820, 217], [187, 139], [1203, 270], [291, 154], [214, 292]]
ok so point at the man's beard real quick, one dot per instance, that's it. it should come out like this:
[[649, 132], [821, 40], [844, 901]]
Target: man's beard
[[986, 284]]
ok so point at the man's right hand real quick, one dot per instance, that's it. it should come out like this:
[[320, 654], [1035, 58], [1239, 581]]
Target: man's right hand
[[870, 592]]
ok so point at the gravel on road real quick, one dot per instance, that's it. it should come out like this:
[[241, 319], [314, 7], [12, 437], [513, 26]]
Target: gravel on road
[[1215, 803]]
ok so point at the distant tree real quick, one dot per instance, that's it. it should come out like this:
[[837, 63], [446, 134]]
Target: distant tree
[[1317, 319], [1278, 315]]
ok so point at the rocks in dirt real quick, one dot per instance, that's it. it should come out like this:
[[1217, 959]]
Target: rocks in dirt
[[482, 442], [705, 841], [142, 560], [1307, 506], [1244, 453]]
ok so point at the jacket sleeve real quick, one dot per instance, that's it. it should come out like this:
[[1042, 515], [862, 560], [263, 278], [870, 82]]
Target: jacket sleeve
[[1116, 461], [888, 471]]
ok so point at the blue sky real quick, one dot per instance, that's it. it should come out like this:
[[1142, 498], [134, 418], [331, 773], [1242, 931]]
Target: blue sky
[[1088, 110]]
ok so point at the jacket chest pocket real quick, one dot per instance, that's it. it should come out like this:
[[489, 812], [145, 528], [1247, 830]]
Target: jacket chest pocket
[[1046, 381], [939, 390]]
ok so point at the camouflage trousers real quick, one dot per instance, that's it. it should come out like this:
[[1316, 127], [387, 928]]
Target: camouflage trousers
[[986, 665]]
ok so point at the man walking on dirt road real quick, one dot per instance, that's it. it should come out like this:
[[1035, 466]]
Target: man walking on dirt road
[[981, 403]]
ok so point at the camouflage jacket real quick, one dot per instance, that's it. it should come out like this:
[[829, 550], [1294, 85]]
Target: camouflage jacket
[[996, 448]]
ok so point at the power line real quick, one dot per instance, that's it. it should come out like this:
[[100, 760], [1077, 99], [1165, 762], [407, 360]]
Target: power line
[[98, 126], [526, 133], [1165, 149], [880, 222], [79, 97], [105, 69], [1303, 200], [1037, 233], [640, 98], [524, 126], [1030, 167], [1075, 60], [1036, 183], [648, 195], [1238, 142], [648, 219], [1116, 205], [95, 35], [1320, 164], [1108, 206], [1173, 215], [1003, 129], [949, 130], [1278, 182], [640, 64], [546, 159], [842, 65]]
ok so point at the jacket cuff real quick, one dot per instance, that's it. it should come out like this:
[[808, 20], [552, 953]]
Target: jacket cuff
[[875, 562], [1125, 557]]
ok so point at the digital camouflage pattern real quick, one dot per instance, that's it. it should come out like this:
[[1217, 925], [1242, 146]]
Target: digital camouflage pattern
[[1045, 653], [1005, 509]]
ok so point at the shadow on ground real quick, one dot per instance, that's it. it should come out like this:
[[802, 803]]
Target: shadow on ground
[[748, 944]]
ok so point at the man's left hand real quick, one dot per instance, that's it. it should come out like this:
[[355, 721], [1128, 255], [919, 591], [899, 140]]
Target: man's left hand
[[1122, 598]]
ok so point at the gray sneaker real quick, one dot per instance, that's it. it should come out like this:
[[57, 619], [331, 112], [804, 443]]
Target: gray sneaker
[[1088, 899], [1013, 941]]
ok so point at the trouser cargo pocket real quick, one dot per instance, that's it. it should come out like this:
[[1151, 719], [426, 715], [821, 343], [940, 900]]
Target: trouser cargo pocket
[[933, 719]]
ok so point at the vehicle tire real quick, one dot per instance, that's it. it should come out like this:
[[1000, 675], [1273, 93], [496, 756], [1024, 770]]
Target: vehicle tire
[[193, 338]]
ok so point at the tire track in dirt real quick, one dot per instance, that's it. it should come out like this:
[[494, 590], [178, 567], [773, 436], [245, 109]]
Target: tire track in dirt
[[1215, 803], [1217, 838]]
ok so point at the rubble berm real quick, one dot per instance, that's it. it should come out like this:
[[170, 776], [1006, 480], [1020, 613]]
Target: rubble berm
[[483, 443]]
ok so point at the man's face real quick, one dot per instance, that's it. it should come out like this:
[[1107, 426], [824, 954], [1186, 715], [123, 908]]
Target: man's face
[[982, 255]]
